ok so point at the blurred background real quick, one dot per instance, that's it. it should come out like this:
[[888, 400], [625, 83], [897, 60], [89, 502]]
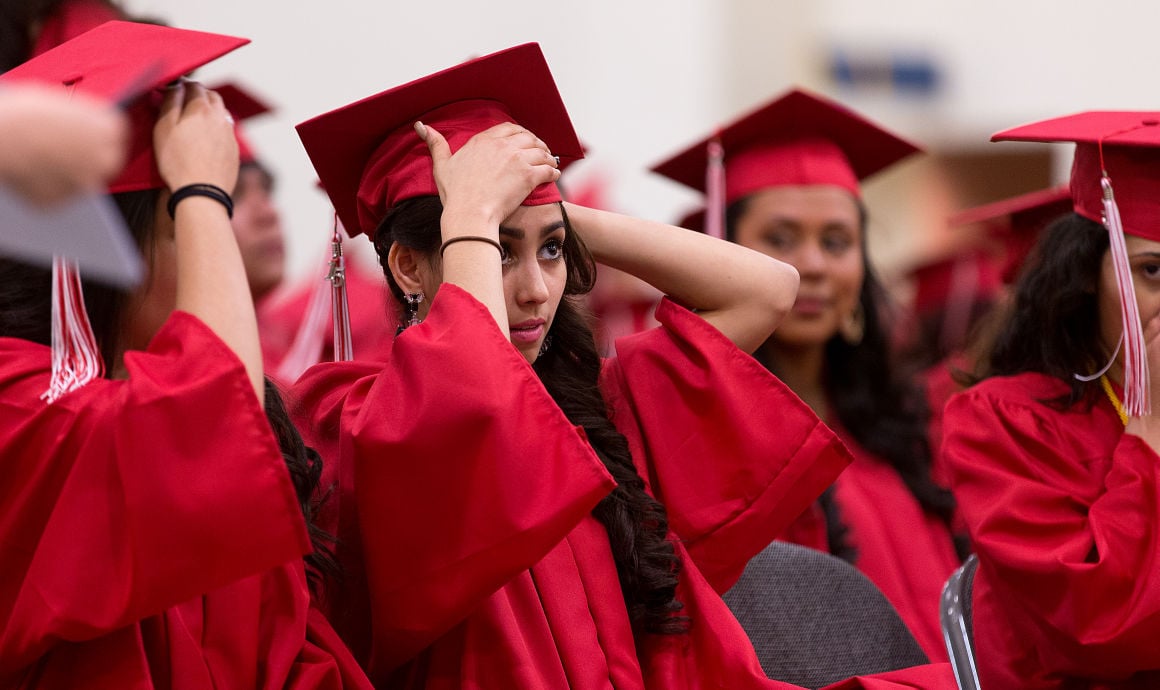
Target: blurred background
[[643, 78]]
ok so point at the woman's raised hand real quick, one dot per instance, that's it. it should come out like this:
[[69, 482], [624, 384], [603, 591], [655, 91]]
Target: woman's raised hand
[[194, 139], [491, 174]]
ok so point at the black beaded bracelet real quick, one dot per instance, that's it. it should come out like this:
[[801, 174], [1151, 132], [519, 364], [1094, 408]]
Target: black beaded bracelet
[[208, 190], [470, 238]]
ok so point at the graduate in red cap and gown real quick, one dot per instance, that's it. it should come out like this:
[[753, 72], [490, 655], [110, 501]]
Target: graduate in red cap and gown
[[152, 534], [1054, 454], [517, 512], [785, 180]]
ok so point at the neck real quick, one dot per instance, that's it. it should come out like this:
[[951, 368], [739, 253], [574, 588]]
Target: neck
[[801, 369]]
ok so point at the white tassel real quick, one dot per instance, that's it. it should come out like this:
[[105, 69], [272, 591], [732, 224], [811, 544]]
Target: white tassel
[[715, 191], [76, 360], [306, 350], [1136, 377]]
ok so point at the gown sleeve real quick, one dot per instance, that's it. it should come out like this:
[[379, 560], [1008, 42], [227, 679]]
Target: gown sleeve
[[465, 471], [125, 498], [729, 450], [1063, 508]]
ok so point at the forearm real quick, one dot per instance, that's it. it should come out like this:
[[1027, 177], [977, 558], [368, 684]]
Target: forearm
[[211, 281], [743, 293], [475, 266]]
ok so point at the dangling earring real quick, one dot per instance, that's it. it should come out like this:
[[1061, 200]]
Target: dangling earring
[[545, 346], [854, 326], [411, 302]]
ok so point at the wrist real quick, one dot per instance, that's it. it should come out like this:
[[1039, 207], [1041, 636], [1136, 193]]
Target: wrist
[[201, 191], [461, 223]]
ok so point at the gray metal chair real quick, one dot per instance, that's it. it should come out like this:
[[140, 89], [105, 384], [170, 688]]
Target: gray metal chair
[[957, 626], [815, 620]]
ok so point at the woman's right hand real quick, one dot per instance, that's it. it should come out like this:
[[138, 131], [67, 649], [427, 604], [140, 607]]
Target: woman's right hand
[[491, 175], [194, 140]]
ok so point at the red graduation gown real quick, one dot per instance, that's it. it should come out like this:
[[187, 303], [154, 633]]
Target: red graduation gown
[[465, 495], [150, 535], [1064, 510], [907, 552]]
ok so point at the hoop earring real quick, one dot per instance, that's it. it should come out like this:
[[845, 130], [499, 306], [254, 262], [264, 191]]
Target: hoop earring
[[853, 327], [411, 302]]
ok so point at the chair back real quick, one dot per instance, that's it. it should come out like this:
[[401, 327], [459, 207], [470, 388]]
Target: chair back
[[815, 619]]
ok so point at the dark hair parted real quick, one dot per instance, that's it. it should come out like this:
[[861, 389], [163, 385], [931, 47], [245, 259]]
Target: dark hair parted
[[1053, 324], [637, 525], [26, 312], [885, 412]]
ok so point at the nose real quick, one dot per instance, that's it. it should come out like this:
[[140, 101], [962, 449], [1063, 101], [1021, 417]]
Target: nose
[[530, 286], [810, 260]]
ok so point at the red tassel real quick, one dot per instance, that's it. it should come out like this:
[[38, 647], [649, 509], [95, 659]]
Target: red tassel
[[76, 360], [715, 190]]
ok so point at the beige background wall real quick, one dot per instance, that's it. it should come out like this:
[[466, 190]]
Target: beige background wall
[[644, 77]]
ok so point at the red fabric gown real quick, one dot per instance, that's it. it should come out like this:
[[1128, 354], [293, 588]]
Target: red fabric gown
[[474, 494], [148, 540], [1064, 509], [905, 551]]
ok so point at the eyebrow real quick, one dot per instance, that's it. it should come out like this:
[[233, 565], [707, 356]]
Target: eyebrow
[[518, 234]]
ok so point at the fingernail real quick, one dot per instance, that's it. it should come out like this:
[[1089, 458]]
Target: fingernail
[[421, 129]]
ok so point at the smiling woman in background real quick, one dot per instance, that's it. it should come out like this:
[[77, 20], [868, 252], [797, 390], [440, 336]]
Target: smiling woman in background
[[791, 190]]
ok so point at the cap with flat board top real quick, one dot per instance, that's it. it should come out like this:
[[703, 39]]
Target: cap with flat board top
[[798, 138], [369, 158]]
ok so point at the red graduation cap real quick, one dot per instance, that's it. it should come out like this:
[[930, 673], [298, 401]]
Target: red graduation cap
[[121, 62], [1120, 151], [963, 278], [369, 158], [1126, 145], [1016, 223], [243, 105], [798, 139]]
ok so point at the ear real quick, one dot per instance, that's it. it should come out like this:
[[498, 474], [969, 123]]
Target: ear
[[407, 267]]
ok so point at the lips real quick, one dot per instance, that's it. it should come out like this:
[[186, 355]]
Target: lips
[[527, 332], [810, 306]]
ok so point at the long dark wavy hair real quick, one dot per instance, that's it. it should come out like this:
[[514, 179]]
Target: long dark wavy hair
[[637, 525], [885, 412], [1052, 326], [26, 311]]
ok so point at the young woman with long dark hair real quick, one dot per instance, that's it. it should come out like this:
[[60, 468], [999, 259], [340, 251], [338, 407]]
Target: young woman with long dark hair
[[1053, 454], [507, 500], [792, 172], [153, 531]]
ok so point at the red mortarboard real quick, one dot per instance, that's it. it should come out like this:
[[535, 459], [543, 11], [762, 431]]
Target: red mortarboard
[[797, 139], [1130, 143], [120, 62], [965, 278], [242, 105], [369, 158], [1017, 223]]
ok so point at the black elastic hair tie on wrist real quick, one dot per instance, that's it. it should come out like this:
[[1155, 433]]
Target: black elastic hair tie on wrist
[[208, 190]]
